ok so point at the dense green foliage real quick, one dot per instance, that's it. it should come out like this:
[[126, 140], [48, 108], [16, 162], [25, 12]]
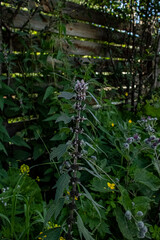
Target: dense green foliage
[[119, 184]]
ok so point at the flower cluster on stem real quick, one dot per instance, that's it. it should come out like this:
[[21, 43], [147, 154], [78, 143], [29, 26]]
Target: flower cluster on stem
[[80, 96]]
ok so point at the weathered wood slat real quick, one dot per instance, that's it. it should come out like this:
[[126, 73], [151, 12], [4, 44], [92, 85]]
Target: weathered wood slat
[[78, 12], [81, 12], [39, 22], [95, 49]]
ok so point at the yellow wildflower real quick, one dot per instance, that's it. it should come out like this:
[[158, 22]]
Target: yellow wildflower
[[41, 232], [40, 238], [130, 121], [45, 235], [76, 198], [24, 169], [112, 124], [37, 179], [61, 238], [111, 185], [126, 94], [56, 225]]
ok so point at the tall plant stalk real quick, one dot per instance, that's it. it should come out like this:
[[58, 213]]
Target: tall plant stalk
[[80, 89]]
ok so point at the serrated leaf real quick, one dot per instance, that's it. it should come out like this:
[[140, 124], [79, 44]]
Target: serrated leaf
[[49, 214], [63, 118], [147, 178], [126, 201], [93, 168], [91, 172], [58, 151], [59, 207], [51, 118], [123, 224], [142, 203], [61, 185], [95, 204], [52, 234], [99, 185], [82, 230], [19, 141], [66, 95], [48, 92]]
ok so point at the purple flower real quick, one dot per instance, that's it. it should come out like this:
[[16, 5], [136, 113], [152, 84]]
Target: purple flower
[[129, 140], [136, 137]]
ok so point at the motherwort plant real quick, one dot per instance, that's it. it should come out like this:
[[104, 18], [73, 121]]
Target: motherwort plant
[[76, 154], [70, 191]]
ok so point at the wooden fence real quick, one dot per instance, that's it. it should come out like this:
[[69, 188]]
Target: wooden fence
[[87, 36]]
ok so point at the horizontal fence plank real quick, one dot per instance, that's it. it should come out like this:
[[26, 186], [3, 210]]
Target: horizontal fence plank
[[89, 31], [95, 49], [40, 22], [81, 12], [77, 12]]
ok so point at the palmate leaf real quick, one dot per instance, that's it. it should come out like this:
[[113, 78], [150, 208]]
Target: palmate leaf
[[82, 230], [61, 185], [58, 151], [63, 118], [66, 95]]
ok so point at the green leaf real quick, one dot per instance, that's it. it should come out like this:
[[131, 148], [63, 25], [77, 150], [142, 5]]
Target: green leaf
[[95, 204], [93, 97], [126, 201], [1, 102], [64, 118], [91, 146], [2, 148], [142, 203], [38, 151], [48, 92], [82, 230], [93, 168], [51, 118], [61, 185], [2, 128], [19, 141], [5, 217], [93, 115], [66, 95], [123, 224], [99, 185], [58, 151], [147, 178], [59, 207], [52, 234]]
